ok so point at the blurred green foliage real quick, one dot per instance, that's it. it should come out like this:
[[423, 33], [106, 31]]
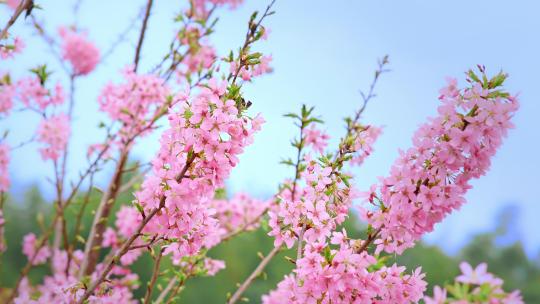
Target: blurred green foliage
[[505, 256]]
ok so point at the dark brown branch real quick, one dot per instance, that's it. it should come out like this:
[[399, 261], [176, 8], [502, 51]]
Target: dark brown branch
[[99, 224], [23, 5], [141, 35], [370, 239]]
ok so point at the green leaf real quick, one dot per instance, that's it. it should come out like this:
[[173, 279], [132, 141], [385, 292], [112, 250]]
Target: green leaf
[[328, 254], [473, 76], [80, 239]]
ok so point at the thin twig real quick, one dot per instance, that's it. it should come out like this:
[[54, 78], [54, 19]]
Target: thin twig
[[236, 296], [95, 237], [78, 221], [122, 36], [50, 43], [166, 291], [24, 143], [129, 184], [247, 41], [141, 35], [177, 289], [370, 239], [155, 273]]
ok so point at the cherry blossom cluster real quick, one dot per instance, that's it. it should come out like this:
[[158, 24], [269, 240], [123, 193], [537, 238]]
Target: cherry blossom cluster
[[324, 273], [134, 102], [7, 51], [316, 139], [201, 8], [198, 151], [63, 285], [240, 213], [33, 252], [363, 144], [474, 285], [312, 209], [33, 94], [53, 132], [258, 66], [79, 51], [195, 53], [200, 53], [428, 181], [312, 213], [316, 209], [177, 213], [8, 92], [342, 275], [127, 219], [4, 167]]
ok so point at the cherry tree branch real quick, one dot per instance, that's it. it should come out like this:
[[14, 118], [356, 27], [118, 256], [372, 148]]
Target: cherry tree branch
[[91, 250], [23, 5], [236, 296], [381, 68], [155, 273], [141, 35], [122, 36], [166, 291], [252, 30]]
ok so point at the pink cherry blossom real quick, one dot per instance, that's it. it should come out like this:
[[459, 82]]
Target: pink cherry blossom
[[429, 180], [202, 7], [315, 138], [213, 266], [54, 133], [7, 96], [34, 95], [439, 296], [363, 145], [29, 249], [79, 51], [13, 3], [127, 219], [248, 72], [134, 102], [343, 276], [483, 287], [201, 143], [239, 212], [311, 205], [8, 51], [203, 127], [4, 167], [478, 275]]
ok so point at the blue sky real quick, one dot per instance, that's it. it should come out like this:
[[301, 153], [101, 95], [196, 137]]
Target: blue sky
[[324, 53]]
